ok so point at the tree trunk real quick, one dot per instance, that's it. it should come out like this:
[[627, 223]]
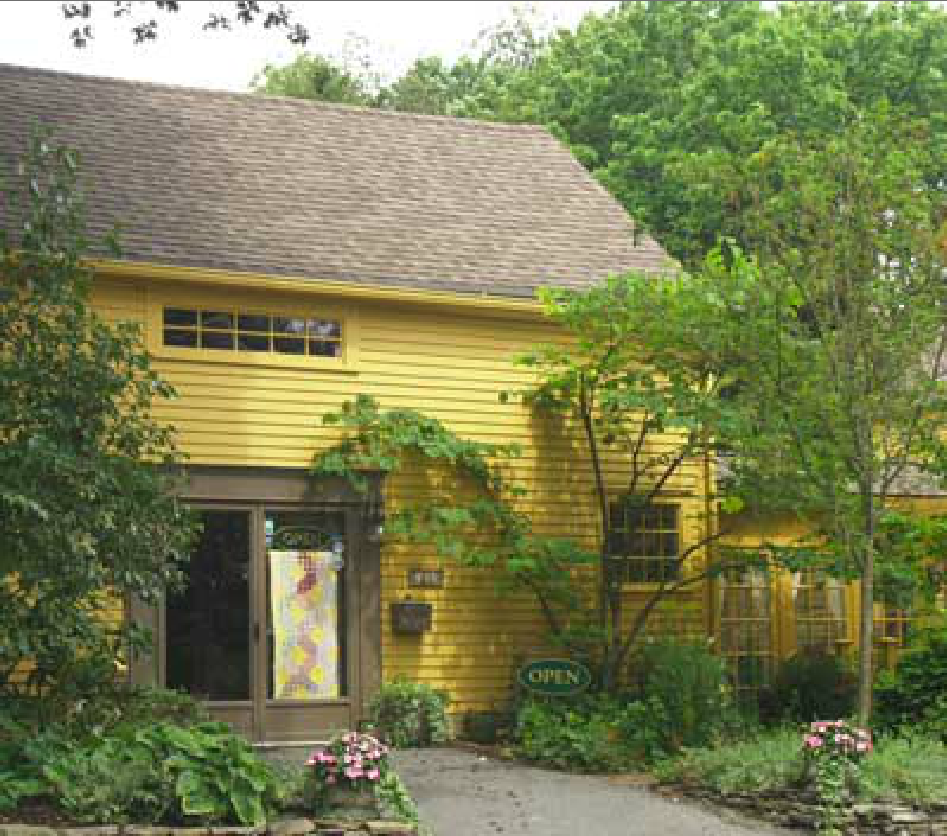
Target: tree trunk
[[867, 620]]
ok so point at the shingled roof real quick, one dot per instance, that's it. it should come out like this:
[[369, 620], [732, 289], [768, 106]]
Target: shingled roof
[[285, 187]]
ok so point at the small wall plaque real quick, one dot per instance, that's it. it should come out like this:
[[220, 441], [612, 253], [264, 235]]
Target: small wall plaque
[[426, 578], [410, 617]]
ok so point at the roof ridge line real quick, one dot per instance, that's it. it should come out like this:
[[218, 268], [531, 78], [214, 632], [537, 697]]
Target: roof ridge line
[[291, 101]]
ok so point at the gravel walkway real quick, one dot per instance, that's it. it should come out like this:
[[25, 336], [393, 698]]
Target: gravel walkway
[[462, 793]]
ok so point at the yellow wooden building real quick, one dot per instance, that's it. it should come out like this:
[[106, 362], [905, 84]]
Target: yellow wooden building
[[284, 256]]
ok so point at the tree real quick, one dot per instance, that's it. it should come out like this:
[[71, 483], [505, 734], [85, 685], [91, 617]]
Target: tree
[[636, 421], [144, 28], [313, 76], [653, 96], [832, 334], [87, 512], [471, 86]]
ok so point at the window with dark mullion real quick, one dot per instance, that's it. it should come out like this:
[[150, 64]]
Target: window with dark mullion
[[249, 331], [647, 539]]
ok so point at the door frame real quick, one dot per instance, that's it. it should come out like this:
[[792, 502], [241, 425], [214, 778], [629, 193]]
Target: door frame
[[255, 489]]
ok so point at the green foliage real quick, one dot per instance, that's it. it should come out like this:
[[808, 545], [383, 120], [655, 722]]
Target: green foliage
[[576, 735], [486, 727], [832, 753], [594, 733], [86, 500], [107, 707], [396, 799], [154, 772], [685, 686], [470, 515], [473, 85], [313, 76], [830, 335], [913, 697], [911, 768], [767, 761], [810, 686], [407, 714]]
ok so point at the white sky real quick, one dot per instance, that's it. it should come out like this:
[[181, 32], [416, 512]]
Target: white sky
[[36, 34]]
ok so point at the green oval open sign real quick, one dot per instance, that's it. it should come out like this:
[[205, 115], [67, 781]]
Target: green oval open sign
[[554, 677]]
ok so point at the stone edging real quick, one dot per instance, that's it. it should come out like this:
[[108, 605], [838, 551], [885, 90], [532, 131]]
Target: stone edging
[[281, 827], [803, 809]]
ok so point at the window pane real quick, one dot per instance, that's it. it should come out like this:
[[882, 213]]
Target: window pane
[[185, 339], [319, 348], [669, 545], [617, 543], [179, 316], [289, 345], [288, 325], [210, 339], [217, 319], [323, 328], [208, 621], [668, 516], [254, 322], [253, 342]]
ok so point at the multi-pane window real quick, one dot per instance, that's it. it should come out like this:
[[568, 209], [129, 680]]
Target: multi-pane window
[[819, 608], [224, 329], [648, 539]]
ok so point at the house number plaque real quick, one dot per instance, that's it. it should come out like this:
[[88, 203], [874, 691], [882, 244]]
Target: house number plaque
[[426, 578]]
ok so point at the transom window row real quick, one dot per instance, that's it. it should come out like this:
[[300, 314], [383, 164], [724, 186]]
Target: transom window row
[[229, 330]]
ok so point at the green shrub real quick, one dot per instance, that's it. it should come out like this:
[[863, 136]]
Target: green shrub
[[810, 686], [685, 687], [909, 768], [106, 708], [770, 760], [581, 735], [914, 695], [485, 726], [407, 714], [158, 773]]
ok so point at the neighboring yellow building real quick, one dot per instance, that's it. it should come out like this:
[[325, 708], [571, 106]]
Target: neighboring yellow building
[[285, 256]]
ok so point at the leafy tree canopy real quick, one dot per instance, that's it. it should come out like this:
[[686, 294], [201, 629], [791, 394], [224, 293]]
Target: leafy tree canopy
[[831, 332], [87, 515]]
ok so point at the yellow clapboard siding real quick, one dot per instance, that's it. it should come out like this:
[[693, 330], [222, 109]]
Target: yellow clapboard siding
[[452, 366]]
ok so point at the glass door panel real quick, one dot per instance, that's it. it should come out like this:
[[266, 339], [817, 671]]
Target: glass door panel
[[306, 653], [207, 645]]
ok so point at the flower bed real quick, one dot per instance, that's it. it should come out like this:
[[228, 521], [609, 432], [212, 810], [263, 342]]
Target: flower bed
[[848, 785]]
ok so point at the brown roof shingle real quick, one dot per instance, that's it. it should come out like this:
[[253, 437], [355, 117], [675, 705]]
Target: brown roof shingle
[[281, 186]]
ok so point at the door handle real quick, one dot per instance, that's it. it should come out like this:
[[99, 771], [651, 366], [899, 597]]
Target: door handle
[[256, 632]]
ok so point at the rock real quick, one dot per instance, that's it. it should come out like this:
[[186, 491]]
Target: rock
[[26, 830], [909, 817], [92, 830], [291, 827], [147, 830], [390, 828], [227, 830]]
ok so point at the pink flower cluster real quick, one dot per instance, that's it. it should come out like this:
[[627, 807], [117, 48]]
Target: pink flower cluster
[[352, 756], [837, 737]]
